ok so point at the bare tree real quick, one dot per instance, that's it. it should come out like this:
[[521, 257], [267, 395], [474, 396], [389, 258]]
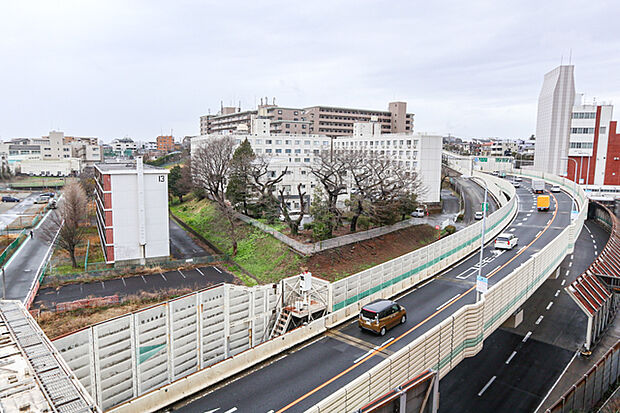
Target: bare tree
[[263, 182], [330, 169], [71, 217], [293, 224], [211, 166]]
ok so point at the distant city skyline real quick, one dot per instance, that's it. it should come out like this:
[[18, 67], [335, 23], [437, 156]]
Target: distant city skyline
[[114, 69]]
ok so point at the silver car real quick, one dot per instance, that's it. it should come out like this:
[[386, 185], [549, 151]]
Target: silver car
[[506, 241]]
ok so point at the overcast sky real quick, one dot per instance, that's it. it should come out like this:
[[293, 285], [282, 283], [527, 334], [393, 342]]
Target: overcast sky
[[138, 68]]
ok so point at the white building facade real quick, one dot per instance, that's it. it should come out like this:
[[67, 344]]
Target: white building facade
[[132, 212], [555, 104]]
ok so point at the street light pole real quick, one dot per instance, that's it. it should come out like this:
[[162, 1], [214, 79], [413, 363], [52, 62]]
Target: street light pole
[[574, 186], [484, 220]]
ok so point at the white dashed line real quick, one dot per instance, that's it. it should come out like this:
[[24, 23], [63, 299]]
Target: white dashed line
[[124, 283], [511, 356], [563, 282], [201, 273], [529, 215], [572, 256], [448, 302], [182, 275], [588, 229], [594, 241], [102, 285], [216, 269], [520, 223], [567, 272], [539, 320], [162, 276], [486, 386], [234, 409], [570, 264], [143, 279], [528, 335], [549, 305], [512, 229], [537, 235], [557, 293]]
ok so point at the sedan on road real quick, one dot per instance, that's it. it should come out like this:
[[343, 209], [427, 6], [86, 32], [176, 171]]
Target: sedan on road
[[556, 188], [506, 241], [10, 199], [478, 215]]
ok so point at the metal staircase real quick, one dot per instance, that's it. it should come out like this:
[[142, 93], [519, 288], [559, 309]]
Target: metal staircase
[[282, 323]]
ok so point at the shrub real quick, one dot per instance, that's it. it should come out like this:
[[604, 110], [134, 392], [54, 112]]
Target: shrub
[[450, 229]]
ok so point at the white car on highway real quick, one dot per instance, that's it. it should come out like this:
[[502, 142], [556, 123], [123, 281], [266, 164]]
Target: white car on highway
[[556, 188], [506, 241]]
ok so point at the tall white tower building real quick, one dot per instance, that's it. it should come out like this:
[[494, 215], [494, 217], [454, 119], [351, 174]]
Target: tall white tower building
[[555, 104]]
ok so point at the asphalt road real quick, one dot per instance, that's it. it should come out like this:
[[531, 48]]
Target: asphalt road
[[300, 379], [521, 370], [182, 245], [195, 279], [474, 196], [23, 267]]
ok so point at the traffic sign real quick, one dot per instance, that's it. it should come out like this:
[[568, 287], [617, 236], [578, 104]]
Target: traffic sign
[[485, 206], [482, 284]]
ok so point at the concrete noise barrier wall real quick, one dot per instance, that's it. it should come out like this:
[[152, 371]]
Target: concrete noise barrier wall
[[123, 358], [462, 334]]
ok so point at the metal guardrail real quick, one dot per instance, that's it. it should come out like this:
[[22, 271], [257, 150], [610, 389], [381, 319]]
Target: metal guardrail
[[586, 393]]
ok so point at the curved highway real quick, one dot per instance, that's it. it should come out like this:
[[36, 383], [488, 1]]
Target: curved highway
[[297, 380]]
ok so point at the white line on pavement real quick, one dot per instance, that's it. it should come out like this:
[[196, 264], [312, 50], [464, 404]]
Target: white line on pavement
[[588, 229], [572, 256], [512, 229], [511, 356], [217, 269], [549, 305], [448, 302], [557, 293], [234, 409], [570, 264], [567, 272], [102, 285], [539, 320], [486, 386], [124, 283], [162, 276], [143, 279], [594, 241], [529, 333], [201, 273], [182, 275], [563, 282]]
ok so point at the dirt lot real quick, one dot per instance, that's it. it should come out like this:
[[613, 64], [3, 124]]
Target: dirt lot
[[340, 262]]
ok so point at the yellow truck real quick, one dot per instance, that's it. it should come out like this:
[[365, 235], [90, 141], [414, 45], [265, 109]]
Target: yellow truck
[[543, 202]]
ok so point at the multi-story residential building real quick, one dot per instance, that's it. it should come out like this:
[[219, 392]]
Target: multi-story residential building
[[165, 143], [132, 212], [74, 153], [594, 144], [555, 102], [323, 120], [419, 153], [504, 147], [124, 147]]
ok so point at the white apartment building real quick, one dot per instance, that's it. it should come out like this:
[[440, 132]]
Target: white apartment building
[[124, 146], [132, 211], [56, 154], [555, 103], [419, 153]]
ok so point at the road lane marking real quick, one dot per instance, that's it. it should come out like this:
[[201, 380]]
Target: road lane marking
[[182, 275], [588, 228], [124, 283], [539, 320], [567, 272], [594, 241], [415, 327], [212, 410], [162, 276], [519, 224], [529, 215], [447, 302], [216, 269], [486, 386], [375, 348], [511, 356], [557, 293], [549, 305], [563, 282], [201, 273], [528, 335], [512, 229], [570, 264], [102, 285], [572, 256], [234, 409], [143, 279]]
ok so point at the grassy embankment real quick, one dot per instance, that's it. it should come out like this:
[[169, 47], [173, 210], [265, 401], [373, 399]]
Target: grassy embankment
[[259, 253]]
